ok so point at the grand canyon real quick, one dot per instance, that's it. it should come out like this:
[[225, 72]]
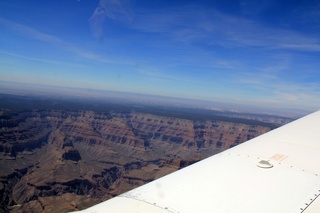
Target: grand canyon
[[59, 159]]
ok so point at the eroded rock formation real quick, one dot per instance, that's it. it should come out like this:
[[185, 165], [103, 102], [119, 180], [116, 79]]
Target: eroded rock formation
[[55, 161]]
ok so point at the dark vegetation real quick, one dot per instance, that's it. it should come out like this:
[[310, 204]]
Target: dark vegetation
[[18, 103]]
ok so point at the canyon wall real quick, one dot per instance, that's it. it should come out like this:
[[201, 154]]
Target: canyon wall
[[59, 160]]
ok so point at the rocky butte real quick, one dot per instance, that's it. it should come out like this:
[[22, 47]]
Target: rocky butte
[[58, 160]]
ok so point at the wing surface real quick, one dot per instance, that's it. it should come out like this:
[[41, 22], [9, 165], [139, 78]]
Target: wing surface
[[275, 172]]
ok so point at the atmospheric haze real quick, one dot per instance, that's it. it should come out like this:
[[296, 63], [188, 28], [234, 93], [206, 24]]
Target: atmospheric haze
[[235, 51]]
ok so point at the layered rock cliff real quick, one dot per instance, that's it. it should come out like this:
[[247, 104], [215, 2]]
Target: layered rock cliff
[[58, 160]]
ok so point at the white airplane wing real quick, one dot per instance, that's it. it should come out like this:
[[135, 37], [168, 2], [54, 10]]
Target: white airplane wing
[[275, 172]]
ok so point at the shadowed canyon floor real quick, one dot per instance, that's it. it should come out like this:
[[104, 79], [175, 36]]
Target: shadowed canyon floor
[[64, 160]]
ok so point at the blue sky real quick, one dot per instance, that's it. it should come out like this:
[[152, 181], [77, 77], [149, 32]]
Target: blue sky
[[264, 53]]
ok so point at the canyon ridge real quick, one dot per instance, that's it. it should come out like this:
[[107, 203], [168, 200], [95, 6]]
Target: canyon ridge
[[58, 160]]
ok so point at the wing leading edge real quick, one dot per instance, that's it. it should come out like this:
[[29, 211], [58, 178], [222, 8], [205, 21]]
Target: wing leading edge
[[275, 172]]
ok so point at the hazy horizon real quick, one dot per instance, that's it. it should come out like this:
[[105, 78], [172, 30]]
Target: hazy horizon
[[45, 91], [264, 55]]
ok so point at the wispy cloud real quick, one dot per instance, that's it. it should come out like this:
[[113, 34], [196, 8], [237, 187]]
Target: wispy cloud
[[53, 40], [113, 9], [281, 92], [30, 32], [193, 24], [163, 76], [37, 59], [272, 69], [97, 20]]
